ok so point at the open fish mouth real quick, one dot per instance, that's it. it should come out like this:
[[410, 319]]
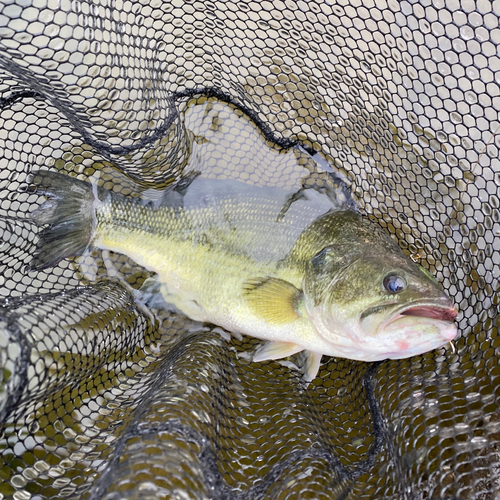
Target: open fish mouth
[[431, 311]]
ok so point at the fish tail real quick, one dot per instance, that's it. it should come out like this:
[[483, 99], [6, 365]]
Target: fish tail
[[69, 213]]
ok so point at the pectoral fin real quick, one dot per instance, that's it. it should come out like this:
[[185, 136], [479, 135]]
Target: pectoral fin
[[276, 350], [273, 299], [311, 366]]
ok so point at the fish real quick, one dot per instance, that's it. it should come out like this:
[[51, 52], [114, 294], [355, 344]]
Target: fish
[[316, 278]]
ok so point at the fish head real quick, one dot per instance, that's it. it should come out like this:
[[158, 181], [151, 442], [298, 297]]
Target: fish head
[[371, 305]]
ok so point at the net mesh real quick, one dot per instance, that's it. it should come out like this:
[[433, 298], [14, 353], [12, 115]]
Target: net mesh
[[100, 397]]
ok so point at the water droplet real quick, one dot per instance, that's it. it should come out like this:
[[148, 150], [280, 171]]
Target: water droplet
[[471, 97], [467, 32]]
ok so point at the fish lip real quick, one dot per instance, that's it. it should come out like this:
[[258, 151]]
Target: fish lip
[[442, 312]]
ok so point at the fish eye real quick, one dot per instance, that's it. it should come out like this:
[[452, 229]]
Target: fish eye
[[394, 283]]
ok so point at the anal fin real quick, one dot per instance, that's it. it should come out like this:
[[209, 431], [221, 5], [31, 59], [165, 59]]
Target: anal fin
[[276, 350]]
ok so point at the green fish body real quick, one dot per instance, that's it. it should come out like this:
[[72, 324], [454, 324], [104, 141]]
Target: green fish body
[[304, 275]]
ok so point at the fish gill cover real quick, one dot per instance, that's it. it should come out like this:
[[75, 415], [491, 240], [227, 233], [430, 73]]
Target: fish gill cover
[[104, 393]]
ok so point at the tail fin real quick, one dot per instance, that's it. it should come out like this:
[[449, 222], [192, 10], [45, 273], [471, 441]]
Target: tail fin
[[69, 212]]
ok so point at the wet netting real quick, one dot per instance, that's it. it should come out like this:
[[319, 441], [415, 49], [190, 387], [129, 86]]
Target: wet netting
[[105, 396]]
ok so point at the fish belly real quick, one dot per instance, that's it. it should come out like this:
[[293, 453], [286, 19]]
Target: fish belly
[[203, 282]]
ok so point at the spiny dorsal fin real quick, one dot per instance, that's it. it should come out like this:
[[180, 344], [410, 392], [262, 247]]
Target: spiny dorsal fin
[[273, 299], [275, 350]]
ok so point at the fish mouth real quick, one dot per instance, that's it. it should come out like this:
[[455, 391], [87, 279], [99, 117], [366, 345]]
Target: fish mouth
[[446, 312], [431, 311]]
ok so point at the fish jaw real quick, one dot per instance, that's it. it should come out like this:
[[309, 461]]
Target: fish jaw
[[410, 316], [415, 328], [411, 335], [409, 330]]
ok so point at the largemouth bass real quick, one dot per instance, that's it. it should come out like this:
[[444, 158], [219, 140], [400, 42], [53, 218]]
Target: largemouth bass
[[311, 278]]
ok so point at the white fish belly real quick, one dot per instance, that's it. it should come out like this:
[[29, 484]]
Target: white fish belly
[[204, 283]]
